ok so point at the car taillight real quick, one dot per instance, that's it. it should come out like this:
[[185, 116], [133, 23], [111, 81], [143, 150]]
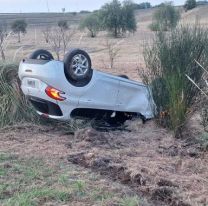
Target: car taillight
[[54, 93]]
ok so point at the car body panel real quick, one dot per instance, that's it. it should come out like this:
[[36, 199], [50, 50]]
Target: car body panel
[[104, 91]]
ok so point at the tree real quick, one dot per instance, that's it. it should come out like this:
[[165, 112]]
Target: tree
[[46, 33], [91, 22], [63, 25], [18, 27], [190, 4], [129, 21], [166, 17], [59, 39], [113, 48], [118, 18]]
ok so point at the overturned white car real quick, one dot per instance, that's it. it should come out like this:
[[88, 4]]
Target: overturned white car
[[63, 90]]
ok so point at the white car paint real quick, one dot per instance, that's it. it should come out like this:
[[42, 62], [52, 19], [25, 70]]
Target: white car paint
[[104, 91]]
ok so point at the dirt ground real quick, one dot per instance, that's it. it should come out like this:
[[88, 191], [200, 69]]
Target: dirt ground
[[144, 157]]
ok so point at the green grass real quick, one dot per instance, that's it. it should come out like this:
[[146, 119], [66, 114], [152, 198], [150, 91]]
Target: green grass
[[129, 201], [31, 182], [36, 195], [79, 187]]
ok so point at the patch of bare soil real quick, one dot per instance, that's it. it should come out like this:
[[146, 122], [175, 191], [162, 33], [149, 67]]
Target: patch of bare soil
[[149, 159]]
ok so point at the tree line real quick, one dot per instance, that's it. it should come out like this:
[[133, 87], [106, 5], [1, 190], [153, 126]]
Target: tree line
[[115, 17]]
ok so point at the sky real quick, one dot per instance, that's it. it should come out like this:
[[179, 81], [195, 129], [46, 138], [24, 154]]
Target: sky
[[17, 6]]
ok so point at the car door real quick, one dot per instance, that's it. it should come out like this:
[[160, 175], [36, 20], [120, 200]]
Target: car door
[[132, 97], [101, 93]]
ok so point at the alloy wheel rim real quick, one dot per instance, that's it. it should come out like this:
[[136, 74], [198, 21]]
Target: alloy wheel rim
[[80, 65]]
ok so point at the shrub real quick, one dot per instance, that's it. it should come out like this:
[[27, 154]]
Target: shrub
[[169, 60], [14, 108], [190, 4], [165, 18]]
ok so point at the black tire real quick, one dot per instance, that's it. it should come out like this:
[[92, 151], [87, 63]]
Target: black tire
[[123, 76], [41, 54], [77, 66]]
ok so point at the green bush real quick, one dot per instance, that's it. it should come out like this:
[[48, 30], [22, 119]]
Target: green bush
[[14, 107], [168, 60]]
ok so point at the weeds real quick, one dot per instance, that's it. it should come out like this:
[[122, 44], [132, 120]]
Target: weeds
[[100, 195], [169, 60], [80, 187], [63, 180], [129, 201]]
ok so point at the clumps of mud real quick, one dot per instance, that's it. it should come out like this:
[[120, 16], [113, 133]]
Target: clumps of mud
[[148, 159]]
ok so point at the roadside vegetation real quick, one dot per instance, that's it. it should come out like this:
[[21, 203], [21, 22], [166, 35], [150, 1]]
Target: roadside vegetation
[[169, 60], [14, 107]]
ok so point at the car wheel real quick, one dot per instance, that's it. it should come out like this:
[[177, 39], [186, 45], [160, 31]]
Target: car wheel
[[41, 54], [77, 64]]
